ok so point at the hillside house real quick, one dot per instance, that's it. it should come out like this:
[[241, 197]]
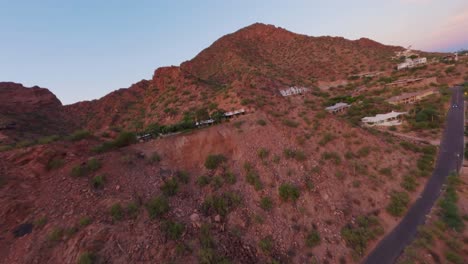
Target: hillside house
[[410, 98], [388, 119], [234, 113], [451, 57], [293, 91], [406, 81], [412, 63], [337, 108], [204, 123]]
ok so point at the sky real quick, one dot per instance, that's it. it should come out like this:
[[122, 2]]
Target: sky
[[84, 49]]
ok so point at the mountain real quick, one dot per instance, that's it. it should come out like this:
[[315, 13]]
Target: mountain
[[29, 113], [285, 182], [256, 57]]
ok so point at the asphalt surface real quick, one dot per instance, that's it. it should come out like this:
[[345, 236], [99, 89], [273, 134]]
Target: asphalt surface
[[450, 159]]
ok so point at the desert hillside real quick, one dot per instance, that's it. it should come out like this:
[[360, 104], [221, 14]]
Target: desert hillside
[[166, 172]]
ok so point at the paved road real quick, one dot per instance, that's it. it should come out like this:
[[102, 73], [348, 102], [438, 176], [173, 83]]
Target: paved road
[[450, 159]]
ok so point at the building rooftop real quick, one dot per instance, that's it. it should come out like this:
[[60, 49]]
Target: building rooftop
[[409, 95], [337, 106], [382, 117]]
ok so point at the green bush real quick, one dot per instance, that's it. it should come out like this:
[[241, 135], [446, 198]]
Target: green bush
[[55, 163], [326, 139], [154, 158], [116, 212], [290, 123], [123, 139], [409, 183], [448, 204], [173, 230], [288, 192], [313, 238], [132, 209], [252, 177], [266, 244], [266, 203], [79, 135], [230, 177], [261, 122], [157, 207], [93, 165], [214, 160], [98, 181], [332, 156], [47, 140], [170, 187], [294, 154], [87, 258], [78, 171], [398, 203], [221, 204], [183, 176], [84, 221], [357, 235], [55, 235], [40, 222], [263, 153], [203, 180], [453, 257]]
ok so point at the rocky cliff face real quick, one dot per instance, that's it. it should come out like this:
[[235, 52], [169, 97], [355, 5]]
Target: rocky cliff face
[[16, 99]]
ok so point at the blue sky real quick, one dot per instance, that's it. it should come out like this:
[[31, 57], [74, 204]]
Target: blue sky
[[82, 50]]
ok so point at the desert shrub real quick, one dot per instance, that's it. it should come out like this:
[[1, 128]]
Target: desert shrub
[[261, 122], [217, 182], [84, 221], [123, 139], [87, 258], [288, 192], [312, 238], [55, 235], [55, 163], [93, 165], [290, 123], [203, 180], [252, 177], [154, 158], [78, 171], [294, 154], [157, 207], [263, 153], [266, 244], [448, 204], [132, 209], [357, 235], [266, 203], [363, 152], [453, 257], [326, 139], [238, 124], [332, 156], [386, 171], [221, 204], [79, 135], [98, 181], [409, 183], [214, 160], [47, 140], [170, 187], [116, 212], [398, 203], [173, 230], [40, 222], [230, 177], [183, 176]]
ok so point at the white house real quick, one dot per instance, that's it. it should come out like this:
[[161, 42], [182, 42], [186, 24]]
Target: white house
[[234, 113], [293, 90], [338, 107], [388, 119], [411, 63]]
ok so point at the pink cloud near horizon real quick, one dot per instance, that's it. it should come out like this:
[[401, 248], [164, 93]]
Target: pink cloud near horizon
[[451, 33]]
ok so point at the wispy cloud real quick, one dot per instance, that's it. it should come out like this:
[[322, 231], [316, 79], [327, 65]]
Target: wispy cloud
[[451, 32]]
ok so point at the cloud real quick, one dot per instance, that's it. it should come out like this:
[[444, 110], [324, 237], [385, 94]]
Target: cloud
[[450, 32]]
